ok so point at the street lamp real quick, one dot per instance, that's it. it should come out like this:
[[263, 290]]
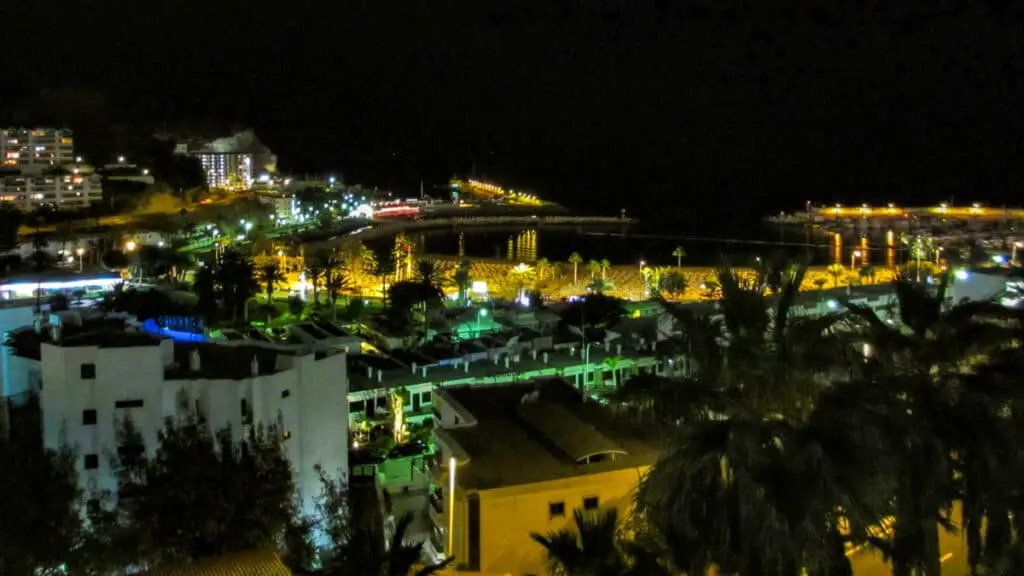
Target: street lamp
[[482, 313], [130, 246], [938, 253], [451, 506], [853, 257], [79, 251]]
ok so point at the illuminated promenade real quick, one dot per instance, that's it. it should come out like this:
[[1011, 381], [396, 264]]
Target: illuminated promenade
[[891, 213]]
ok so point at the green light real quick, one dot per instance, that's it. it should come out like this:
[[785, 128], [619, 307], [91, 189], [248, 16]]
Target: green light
[[483, 312]]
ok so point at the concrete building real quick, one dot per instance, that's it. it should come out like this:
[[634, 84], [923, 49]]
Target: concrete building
[[226, 169], [525, 457], [92, 374], [36, 148], [64, 190]]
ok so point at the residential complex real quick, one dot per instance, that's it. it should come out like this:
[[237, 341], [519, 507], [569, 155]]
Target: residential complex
[[36, 148], [231, 162], [520, 458], [226, 169], [39, 168], [93, 373], [63, 190]]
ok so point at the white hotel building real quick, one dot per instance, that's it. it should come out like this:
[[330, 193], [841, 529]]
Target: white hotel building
[[92, 375]]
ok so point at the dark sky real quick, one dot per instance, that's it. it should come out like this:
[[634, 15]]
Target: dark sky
[[668, 108]]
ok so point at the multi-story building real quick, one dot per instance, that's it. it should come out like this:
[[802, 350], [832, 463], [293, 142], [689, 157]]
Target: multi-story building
[[64, 189], [36, 147], [90, 375], [226, 169], [520, 458]]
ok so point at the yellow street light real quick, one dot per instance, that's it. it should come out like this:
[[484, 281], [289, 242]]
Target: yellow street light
[[130, 245]]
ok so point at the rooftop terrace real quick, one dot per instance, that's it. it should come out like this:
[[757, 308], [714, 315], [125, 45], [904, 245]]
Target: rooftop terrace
[[536, 432]]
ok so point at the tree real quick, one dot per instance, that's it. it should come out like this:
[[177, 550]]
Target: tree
[[575, 259], [237, 280], [115, 260], [672, 283], [384, 265], [599, 285], [927, 376], [204, 286], [594, 549], [679, 252], [836, 271], [11, 220], [200, 495], [41, 528], [594, 267], [314, 275], [819, 283], [543, 267], [336, 281], [431, 273], [867, 274], [462, 280], [605, 265], [366, 550], [269, 275]]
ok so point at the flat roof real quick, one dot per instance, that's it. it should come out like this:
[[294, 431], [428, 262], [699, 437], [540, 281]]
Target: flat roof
[[519, 441], [223, 362], [101, 332], [483, 368]]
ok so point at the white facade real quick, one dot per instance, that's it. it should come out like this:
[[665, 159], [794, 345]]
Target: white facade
[[36, 148], [88, 390], [63, 191], [226, 169]]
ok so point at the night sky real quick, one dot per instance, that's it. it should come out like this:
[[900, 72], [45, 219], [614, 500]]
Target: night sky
[[667, 108]]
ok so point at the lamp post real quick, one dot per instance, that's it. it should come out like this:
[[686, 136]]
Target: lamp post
[[79, 251], [938, 254], [853, 257], [482, 313], [451, 507], [280, 254], [643, 279]]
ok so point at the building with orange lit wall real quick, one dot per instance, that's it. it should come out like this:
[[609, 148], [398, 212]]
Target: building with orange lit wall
[[526, 456]]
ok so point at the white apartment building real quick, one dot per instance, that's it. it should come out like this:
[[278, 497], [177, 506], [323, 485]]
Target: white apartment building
[[64, 191], [36, 147], [226, 169], [91, 376]]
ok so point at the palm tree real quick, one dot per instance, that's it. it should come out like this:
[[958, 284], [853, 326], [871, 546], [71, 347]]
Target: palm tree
[[431, 273], [927, 372], [867, 274], [605, 265], [593, 549], [335, 282], [268, 275], [237, 279], [327, 263], [595, 268], [462, 280], [575, 259], [836, 271], [314, 274], [543, 267], [679, 252], [365, 549], [384, 266]]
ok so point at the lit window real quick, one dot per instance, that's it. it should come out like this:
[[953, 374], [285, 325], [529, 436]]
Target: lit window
[[590, 503]]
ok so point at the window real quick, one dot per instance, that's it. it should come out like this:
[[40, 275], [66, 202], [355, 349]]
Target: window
[[88, 417], [287, 434], [590, 503], [286, 393], [128, 404], [356, 407], [88, 371], [245, 408], [556, 510], [425, 397], [92, 461]]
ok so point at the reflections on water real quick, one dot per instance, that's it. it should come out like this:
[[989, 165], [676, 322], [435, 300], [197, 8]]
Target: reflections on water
[[857, 250]]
